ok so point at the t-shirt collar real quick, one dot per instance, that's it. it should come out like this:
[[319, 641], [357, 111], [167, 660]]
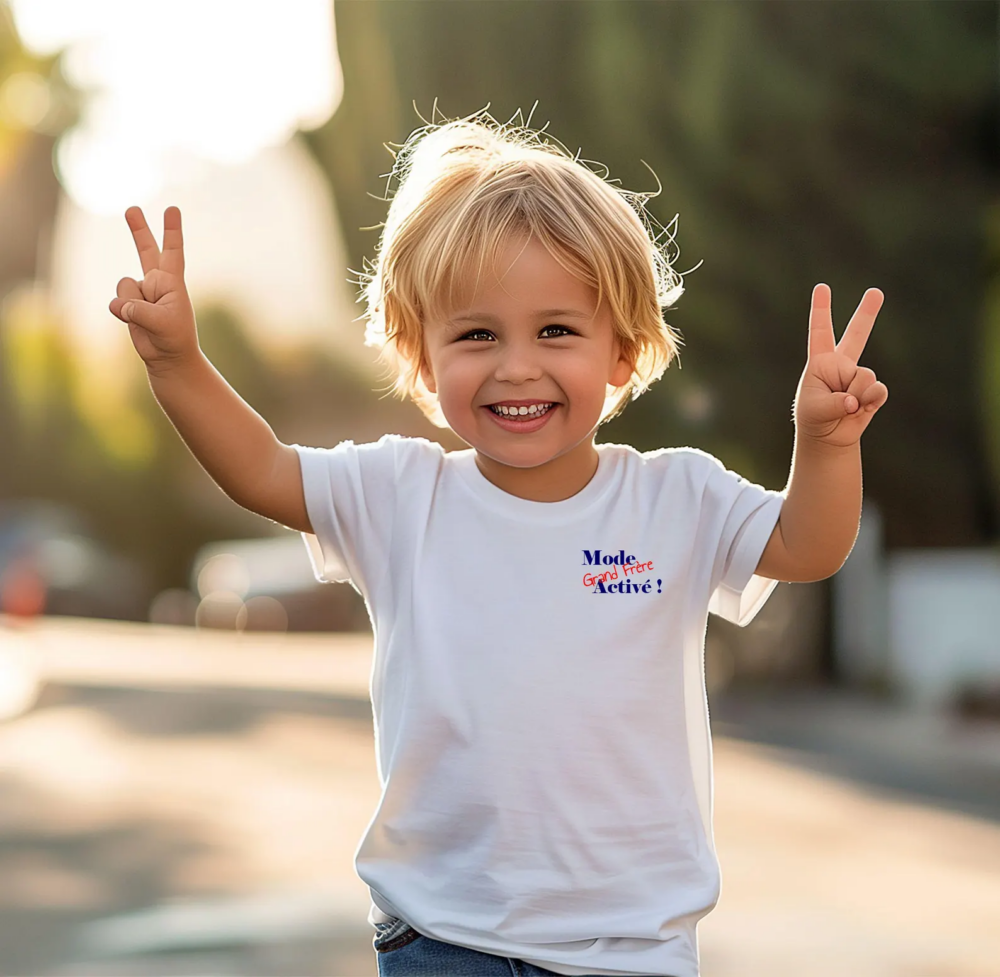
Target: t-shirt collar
[[496, 498]]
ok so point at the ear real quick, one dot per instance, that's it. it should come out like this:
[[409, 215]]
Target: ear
[[427, 375], [621, 371]]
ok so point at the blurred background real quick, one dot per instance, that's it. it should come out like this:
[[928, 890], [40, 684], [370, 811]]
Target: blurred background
[[186, 756]]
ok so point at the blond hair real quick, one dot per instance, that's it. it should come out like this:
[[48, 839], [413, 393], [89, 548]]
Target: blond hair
[[469, 187]]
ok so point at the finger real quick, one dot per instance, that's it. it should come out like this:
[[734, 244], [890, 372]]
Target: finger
[[128, 288], [145, 243], [852, 343], [173, 242], [821, 338], [862, 380], [145, 314], [874, 397]]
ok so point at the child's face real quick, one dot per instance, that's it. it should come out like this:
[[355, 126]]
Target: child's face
[[507, 348]]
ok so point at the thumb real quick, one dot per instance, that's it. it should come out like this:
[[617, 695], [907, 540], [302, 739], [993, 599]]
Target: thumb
[[139, 312], [828, 406], [846, 403]]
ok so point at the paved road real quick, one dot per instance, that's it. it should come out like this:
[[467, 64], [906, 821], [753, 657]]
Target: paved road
[[179, 802]]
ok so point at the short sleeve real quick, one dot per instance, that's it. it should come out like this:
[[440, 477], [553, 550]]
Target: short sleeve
[[741, 517], [350, 495]]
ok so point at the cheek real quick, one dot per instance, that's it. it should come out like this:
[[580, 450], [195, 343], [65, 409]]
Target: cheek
[[457, 379], [589, 374]]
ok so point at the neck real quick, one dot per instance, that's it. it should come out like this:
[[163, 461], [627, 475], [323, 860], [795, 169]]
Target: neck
[[556, 480]]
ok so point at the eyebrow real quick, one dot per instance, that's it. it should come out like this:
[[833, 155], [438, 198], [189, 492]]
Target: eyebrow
[[544, 313]]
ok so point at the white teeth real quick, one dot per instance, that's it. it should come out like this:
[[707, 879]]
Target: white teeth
[[535, 410]]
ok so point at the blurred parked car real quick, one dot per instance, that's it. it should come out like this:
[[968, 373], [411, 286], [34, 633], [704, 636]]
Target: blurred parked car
[[50, 564], [259, 585]]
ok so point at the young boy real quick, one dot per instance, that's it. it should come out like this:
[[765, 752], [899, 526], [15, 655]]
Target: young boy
[[539, 602]]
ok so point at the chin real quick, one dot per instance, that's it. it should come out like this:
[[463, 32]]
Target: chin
[[522, 462], [526, 456]]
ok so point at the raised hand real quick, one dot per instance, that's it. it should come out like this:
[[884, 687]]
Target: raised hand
[[836, 399], [158, 310]]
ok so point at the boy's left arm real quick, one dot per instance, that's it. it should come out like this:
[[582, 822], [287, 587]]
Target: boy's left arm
[[834, 403]]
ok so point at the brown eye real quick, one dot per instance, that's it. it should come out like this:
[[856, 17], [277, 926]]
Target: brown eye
[[565, 331]]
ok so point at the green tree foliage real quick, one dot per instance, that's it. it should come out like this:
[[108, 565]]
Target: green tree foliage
[[988, 373], [112, 456], [157, 505], [144, 507], [799, 142]]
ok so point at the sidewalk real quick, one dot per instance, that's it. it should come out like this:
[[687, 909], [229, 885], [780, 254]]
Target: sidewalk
[[942, 760], [183, 802]]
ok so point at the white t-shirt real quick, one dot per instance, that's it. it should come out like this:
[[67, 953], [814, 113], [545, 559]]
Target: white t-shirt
[[541, 723]]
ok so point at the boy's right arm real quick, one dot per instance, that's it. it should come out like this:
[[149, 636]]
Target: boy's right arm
[[233, 443]]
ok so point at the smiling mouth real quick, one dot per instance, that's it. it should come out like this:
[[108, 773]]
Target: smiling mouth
[[531, 411]]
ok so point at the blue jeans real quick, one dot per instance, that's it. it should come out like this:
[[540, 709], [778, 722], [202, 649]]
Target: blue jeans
[[403, 952]]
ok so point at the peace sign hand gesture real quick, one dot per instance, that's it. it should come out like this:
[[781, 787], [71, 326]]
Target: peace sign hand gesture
[[158, 310], [836, 399]]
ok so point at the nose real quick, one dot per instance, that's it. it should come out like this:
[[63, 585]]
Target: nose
[[517, 363]]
